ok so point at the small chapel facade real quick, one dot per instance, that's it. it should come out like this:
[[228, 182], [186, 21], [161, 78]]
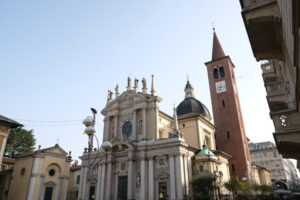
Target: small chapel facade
[[153, 155]]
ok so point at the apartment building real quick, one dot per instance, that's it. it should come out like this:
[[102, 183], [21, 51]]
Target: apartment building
[[283, 171]]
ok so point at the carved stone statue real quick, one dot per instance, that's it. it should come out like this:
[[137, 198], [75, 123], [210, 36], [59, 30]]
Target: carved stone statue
[[136, 82], [129, 82], [117, 90], [144, 83], [109, 95], [138, 180]]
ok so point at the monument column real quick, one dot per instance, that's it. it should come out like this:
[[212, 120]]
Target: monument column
[[130, 177], [102, 182], [172, 177], [134, 125], [108, 181], [116, 126], [143, 178], [186, 175], [98, 183], [144, 123], [151, 180], [179, 176]]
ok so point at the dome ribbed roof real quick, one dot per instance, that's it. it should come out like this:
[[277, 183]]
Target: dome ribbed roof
[[192, 105]]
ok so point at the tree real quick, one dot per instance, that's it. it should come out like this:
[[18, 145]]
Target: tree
[[19, 141], [232, 185], [202, 185]]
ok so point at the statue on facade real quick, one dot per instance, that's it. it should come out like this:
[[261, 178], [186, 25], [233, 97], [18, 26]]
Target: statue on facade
[[109, 95], [136, 82], [128, 82], [117, 90], [144, 83]]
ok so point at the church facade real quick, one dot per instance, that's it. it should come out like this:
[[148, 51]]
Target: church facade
[[153, 155]]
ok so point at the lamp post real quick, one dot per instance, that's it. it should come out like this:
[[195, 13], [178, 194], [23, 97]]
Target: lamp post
[[89, 122]]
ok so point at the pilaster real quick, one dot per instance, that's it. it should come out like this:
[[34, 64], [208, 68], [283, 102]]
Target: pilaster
[[172, 177]]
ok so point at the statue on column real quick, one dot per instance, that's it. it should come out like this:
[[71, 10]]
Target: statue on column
[[117, 90], [144, 85], [136, 82], [128, 83], [109, 95]]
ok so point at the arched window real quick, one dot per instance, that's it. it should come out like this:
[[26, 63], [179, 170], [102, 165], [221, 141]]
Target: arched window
[[221, 71], [216, 73]]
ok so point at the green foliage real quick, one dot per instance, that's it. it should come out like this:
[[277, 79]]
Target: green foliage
[[19, 141], [263, 188], [202, 185], [232, 185], [244, 186]]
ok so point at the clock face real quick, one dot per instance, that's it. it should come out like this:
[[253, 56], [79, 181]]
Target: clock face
[[127, 129], [220, 86]]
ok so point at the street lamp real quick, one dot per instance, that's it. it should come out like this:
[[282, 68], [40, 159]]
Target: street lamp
[[89, 122]]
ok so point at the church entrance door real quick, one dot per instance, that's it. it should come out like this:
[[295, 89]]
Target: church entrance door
[[162, 190], [122, 188], [48, 193]]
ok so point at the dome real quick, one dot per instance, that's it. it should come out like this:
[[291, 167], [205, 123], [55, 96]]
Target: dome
[[192, 105]]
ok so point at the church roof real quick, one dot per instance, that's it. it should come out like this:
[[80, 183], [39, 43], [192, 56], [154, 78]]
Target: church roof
[[188, 85], [192, 105], [11, 123], [205, 152], [217, 51]]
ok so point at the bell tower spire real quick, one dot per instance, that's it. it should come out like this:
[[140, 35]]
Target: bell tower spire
[[217, 51]]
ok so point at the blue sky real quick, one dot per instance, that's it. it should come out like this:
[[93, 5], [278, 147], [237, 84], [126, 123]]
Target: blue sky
[[59, 58]]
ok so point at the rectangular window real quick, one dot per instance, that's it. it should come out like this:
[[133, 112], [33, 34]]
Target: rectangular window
[[78, 179], [223, 103], [233, 168], [228, 135], [201, 168]]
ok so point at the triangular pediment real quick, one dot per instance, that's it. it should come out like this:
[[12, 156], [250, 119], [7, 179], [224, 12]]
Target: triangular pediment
[[56, 149]]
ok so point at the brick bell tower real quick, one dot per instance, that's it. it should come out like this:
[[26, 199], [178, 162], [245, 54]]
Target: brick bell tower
[[230, 131]]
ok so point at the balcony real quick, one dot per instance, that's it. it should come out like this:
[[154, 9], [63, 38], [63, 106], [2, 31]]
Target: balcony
[[262, 20], [287, 135], [268, 72]]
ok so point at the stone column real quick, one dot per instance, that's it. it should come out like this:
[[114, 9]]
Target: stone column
[[102, 182], [130, 181], [98, 183], [84, 183], [66, 188], [33, 178], [151, 179], [179, 177], [2, 147], [107, 128], [116, 126], [172, 177], [186, 175], [60, 179], [134, 125], [108, 181], [81, 191], [144, 124], [41, 187], [143, 179], [189, 160]]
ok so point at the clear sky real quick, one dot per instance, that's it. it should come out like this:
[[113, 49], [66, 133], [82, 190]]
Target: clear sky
[[59, 58]]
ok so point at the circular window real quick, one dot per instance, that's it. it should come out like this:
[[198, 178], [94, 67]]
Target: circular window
[[23, 171], [51, 172], [127, 128]]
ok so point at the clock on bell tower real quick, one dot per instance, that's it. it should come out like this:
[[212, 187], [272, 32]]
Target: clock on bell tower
[[230, 131]]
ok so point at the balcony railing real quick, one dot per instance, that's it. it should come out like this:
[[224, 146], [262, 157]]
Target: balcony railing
[[275, 88]]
